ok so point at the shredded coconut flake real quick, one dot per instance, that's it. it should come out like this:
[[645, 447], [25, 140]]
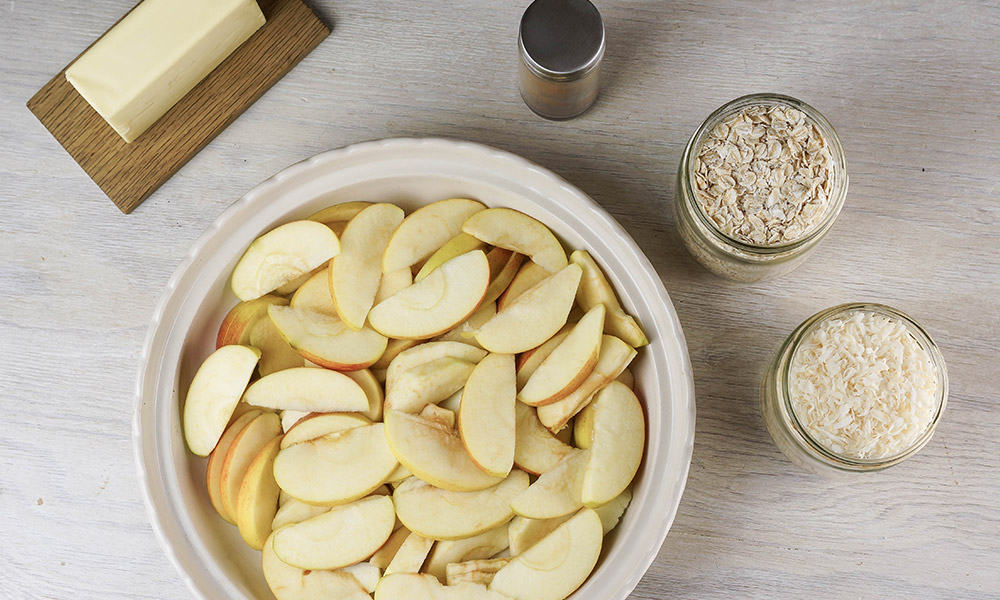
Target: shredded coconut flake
[[862, 386]]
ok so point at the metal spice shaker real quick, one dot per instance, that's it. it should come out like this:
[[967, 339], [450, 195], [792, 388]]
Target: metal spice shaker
[[561, 43]]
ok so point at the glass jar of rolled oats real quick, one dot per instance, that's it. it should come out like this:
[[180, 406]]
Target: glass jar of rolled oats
[[759, 185]]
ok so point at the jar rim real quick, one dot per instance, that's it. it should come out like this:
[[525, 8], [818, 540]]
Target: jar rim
[[839, 194], [787, 412]]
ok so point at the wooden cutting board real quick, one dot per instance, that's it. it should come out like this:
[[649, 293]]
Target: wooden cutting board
[[129, 173]]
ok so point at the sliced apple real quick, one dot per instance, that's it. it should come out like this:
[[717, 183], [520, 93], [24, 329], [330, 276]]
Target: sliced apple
[[288, 289], [534, 317], [295, 511], [446, 515], [291, 583], [504, 265], [486, 414], [281, 255], [213, 475], [557, 492], [529, 361], [307, 389], [366, 573], [627, 378], [326, 340], [245, 447], [554, 567], [392, 283], [433, 412], [317, 425], [437, 303], [344, 535], [525, 533], [513, 230], [433, 453], [356, 272], [400, 473], [384, 555], [276, 354], [536, 450], [456, 246], [466, 331], [415, 586], [425, 353], [214, 393], [485, 545], [611, 512], [373, 391], [615, 356], [314, 295], [257, 500], [290, 417], [411, 555], [427, 383], [527, 276], [453, 402], [474, 571], [236, 326], [594, 290], [339, 213], [618, 438], [336, 468], [392, 350], [569, 364], [427, 229]]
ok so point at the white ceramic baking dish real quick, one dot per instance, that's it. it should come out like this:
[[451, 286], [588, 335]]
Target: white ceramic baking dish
[[411, 172]]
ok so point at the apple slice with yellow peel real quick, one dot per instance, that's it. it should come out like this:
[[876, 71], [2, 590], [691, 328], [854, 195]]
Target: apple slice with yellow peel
[[466, 332], [336, 468], [416, 586], [615, 356], [410, 556], [276, 355], [534, 317], [326, 340], [456, 246], [307, 389], [485, 545], [427, 229], [295, 511], [392, 350], [525, 533], [339, 213], [292, 583], [317, 425], [611, 512], [504, 265], [314, 295], [474, 571], [556, 566], [434, 453], [427, 383], [527, 276], [557, 492], [437, 303], [384, 555], [248, 443], [356, 272], [425, 353], [618, 435], [392, 283], [569, 364], [446, 515], [433, 412], [594, 290], [529, 361], [513, 230], [213, 475], [342, 536], [214, 393], [257, 500], [536, 450], [486, 414], [281, 255], [236, 326], [373, 391]]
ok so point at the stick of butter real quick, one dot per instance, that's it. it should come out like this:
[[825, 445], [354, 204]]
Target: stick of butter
[[156, 54]]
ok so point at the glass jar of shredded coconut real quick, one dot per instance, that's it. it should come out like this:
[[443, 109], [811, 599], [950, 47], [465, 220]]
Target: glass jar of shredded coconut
[[759, 185], [857, 387]]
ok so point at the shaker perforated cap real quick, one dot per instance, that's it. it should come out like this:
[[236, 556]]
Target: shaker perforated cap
[[562, 38]]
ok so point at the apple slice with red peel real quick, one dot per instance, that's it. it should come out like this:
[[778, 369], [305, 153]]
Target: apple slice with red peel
[[307, 389], [416, 586], [527, 276], [434, 453], [485, 545], [336, 468], [486, 414], [281, 255], [339, 213], [384, 555], [594, 290], [529, 361], [392, 283], [556, 492], [617, 434], [536, 450], [326, 340], [342, 536], [236, 326], [245, 447], [425, 353], [257, 500], [213, 475], [427, 229], [474, 571], [214, 392], [556, 566], [295, 511], [569, 364], [614, 358], [292, 583], [427, 383], [513, 230], [466, 332], [534, 317], [447, 515], [456, 246], [317, 425], [314, 295], [356, 272], [437, 303], [504, 265], [410, 556]]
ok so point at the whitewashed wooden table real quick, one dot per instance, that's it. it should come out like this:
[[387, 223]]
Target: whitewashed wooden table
[[913, 89]]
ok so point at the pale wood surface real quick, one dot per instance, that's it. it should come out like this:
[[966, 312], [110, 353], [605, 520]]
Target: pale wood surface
[[912, 87]]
